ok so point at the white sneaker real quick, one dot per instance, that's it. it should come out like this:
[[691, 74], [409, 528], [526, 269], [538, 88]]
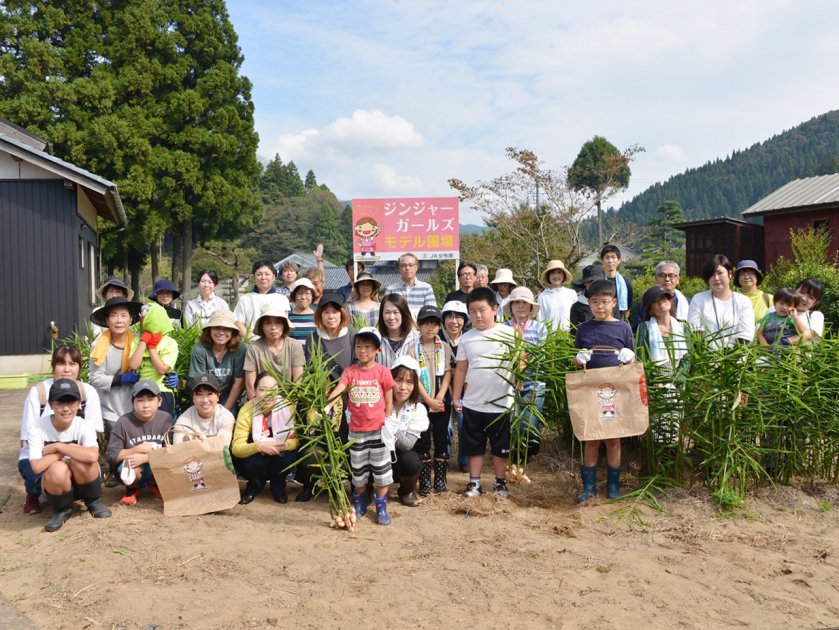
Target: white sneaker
[[472, 490], [500, 489]]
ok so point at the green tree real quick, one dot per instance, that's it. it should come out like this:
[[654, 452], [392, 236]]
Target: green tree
[[598, 169], [662, 241], [294, 186], [272, 181], [311, 180], [327, 230]]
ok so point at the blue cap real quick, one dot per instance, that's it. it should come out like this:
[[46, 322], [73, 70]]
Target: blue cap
[[750, 265]]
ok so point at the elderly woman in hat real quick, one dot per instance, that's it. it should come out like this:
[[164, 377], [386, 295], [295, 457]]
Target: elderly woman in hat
[[201, 308], [219, 351], [747, 278], [274, 350], [522, 310], [110, 373], [364, 304], [556, 300], [165, 294], [502, 284], [113, 286]]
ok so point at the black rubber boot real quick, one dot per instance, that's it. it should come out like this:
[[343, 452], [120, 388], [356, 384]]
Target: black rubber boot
[[91, 494], [62, 509], [441, 466], [425, 479], [589, 474], [613, 483]]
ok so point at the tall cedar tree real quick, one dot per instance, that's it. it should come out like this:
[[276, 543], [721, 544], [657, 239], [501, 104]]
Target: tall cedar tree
[[148, 94]]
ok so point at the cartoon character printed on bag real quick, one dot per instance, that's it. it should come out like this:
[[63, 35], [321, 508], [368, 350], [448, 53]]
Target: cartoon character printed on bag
[[606, 397], [194, 469], [367, 229]]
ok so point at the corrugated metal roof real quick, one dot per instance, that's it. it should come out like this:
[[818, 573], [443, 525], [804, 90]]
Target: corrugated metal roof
[[335, 277], [812, 191], [104, 193]]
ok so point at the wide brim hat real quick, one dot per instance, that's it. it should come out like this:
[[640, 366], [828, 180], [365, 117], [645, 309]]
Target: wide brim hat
[[272, 310], [552, 265], [117, 282], [221, 318], [365, 276], [302, 283], [751, 266], [503, 276], [164, 285], [521, 294], [651, 295], [100, 315], [590, 274]]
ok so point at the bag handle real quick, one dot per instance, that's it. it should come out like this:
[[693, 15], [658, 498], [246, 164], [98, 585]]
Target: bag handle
[[180, 429]]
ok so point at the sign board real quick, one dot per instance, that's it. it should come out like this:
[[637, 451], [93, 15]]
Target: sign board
[[384, 229]]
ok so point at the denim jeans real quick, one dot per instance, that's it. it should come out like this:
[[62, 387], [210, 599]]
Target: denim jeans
[[31, 481], [462, 460]]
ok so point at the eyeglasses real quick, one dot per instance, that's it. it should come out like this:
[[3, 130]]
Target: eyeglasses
[[407, 265], [465, 274], [667, 276]]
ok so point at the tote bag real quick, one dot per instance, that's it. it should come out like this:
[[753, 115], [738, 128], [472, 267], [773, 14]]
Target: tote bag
[[195, 476], [610, 402]]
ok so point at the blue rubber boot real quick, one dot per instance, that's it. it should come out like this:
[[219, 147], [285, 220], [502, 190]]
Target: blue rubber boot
[[360, 501], [589, 474], [382, 517], [613, 483]]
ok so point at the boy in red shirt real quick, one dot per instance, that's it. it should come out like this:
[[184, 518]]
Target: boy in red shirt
[[369, 387]]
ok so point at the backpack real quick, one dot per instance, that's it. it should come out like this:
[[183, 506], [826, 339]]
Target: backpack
[[42, 396]]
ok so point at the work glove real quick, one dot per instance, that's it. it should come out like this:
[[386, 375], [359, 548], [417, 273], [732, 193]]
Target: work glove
[[171, 380], [151, 339], [625, 355], [583, 357], [129, 378]]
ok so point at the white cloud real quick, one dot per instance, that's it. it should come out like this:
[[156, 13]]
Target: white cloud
[[671, 153], [348, 137], [387, 179]]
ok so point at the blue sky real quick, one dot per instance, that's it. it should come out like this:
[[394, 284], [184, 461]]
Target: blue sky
[[393, 98]]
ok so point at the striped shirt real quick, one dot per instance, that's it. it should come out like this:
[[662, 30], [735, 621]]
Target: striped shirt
[[304, 326], [417, 296]]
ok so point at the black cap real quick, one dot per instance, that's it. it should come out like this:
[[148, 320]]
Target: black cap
[[331, 297], [429, 311], [64, 389], [144, 386], [100, 316], [650, 296], [204, 380]]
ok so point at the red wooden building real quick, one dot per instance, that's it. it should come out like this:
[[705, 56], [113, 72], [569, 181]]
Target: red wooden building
[[803, 203]]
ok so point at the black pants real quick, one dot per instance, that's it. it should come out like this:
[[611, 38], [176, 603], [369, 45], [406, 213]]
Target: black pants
[[259, 469], [407, 464], [438, 428]]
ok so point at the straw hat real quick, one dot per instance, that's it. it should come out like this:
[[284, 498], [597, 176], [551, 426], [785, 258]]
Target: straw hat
[[221, 318], [555, 264], [272, 310], [116, 282], [366, 276], [521, 294], [501, 276]]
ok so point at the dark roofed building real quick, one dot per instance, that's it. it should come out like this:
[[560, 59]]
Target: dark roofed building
[[734, 238]]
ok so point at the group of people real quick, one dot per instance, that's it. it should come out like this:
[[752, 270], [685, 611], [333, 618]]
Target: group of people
[[406, 371]]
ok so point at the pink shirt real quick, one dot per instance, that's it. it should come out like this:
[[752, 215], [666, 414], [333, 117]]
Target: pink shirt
[[366, 396]]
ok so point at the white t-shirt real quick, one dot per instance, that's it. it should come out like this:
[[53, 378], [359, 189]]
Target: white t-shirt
[[42, 432], [249, 307], [220, 424], [487, 378], [32, 411], [727, 320], [556, 306]]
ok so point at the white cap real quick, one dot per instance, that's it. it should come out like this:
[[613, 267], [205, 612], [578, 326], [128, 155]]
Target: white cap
[[407, 361], [369, 330], [455, 306]]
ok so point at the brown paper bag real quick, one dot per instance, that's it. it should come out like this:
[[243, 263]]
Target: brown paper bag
[[195, 476], [607, 403]]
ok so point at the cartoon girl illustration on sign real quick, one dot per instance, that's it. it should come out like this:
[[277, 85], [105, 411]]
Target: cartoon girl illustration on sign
[[606, 397], [367, 230], [194, 469]]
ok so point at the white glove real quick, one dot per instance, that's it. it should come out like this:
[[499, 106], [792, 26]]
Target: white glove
[[583, 357], [625, 355]]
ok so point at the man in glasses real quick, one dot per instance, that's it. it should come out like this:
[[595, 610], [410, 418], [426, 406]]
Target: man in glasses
[[416, 292], [667, 277], [467, 273]]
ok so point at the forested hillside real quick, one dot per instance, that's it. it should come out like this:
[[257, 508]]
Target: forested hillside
[[726, 187]]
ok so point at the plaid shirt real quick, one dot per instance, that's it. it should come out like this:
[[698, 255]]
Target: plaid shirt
[[417, 296]]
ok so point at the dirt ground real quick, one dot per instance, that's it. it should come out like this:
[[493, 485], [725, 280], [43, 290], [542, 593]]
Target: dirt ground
[[534, 560]]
